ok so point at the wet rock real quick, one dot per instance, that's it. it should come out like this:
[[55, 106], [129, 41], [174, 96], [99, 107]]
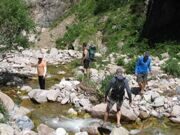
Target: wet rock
[[61, 131], [1, 116], [175, 111], [39, 96], [119, 131], [6, 129], [24, 123], [28, 132], [19, 112], [84, 103], [155, 114], [26, 88], [71, 111], [144, 114], [45, 130], [134, 132], [7, 102], [91, 130]]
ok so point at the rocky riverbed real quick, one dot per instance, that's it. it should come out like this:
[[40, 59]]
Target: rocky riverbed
[[161, 99]]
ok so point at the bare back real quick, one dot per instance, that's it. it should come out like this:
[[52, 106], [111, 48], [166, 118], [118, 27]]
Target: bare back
[[41, 68]]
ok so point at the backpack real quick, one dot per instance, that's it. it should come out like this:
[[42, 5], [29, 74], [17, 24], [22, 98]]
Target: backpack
[[92, 51], [117, 92]]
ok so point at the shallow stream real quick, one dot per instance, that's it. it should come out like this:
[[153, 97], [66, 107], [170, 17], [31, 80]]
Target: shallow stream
[[55, 115]]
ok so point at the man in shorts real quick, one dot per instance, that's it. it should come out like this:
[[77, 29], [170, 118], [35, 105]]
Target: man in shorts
[[117, 86], [41, 70], [85, 59], [143, 67]]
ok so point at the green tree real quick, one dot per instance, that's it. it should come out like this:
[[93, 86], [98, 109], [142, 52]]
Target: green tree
[[14, 18]]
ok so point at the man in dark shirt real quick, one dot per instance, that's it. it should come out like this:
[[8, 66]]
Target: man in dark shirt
[[118, 84]]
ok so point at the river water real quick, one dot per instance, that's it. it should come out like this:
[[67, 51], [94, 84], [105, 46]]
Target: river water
[[55, 115]]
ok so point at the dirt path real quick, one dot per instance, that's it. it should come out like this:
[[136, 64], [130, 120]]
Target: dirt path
[[49, 36]]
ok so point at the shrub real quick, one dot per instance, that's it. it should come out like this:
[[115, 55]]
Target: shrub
[[105, 84], [130, 67], [104, 5], [172, 67], [120, 62], [13, 20], [4, 112]]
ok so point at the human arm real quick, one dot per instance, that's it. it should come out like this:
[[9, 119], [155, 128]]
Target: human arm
[[149, 65], [128, 90], [45, 68], [137, 64]]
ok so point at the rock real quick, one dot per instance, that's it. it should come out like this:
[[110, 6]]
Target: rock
[[144, 115], [84, 103], [159, 101], [150, 96], [98, 55], [6, 129], [7, 102], [91, 130], [61, 131], [24, 123], [112, 68], [19, 112], [26, 88], [54, 52], [52, 95], [155, 114], [119, 131], [165, 55], [39, 96], [81, 133], [65, 100], [28, 132], [71, 111], [134, 132], [99, 110], [175, 119], [175, 111], [45, 130], [178, 90]]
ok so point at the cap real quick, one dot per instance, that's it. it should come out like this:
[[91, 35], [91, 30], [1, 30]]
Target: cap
[[146, 54]]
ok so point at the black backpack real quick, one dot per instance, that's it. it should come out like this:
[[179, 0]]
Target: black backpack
[[117, 92]]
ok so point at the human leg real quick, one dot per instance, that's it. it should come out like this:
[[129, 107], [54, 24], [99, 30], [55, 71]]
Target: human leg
[[43, 83], [108, 108], [118, 114], [140, 82]]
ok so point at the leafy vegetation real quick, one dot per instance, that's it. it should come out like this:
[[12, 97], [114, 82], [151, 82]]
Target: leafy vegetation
[[172, 66], [130, 67], [120, 62], [13, 20], [4, 113]]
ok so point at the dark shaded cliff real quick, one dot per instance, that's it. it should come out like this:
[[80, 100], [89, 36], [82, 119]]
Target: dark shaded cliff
[[163, 21]]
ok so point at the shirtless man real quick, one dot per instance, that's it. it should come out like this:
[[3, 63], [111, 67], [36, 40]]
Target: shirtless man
[[41, 70], [85, 59]]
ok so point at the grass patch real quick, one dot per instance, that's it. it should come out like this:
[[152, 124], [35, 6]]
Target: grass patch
[[120, 62], [130, 67]]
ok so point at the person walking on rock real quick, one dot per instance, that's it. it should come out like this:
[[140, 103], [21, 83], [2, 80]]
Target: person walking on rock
[[117, 86], [85, 59], [41, 70], [143, 67]]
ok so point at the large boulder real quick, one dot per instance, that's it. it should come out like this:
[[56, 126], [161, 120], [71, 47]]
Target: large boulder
[[40, 96], [61, 131], [175, 119], [119, 131], [99, 110], [159, 101], [7, 102], [6, 129], [45, 130]]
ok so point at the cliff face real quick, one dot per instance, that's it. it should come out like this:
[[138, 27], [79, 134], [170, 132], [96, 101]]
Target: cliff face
[[163, 21], [44, 12]]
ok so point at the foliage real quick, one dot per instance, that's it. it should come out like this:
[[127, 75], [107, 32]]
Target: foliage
[[105, 5], [130, 67], [120, 62], [172, 66], [105, 84], [4, 112], [13, 20]]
